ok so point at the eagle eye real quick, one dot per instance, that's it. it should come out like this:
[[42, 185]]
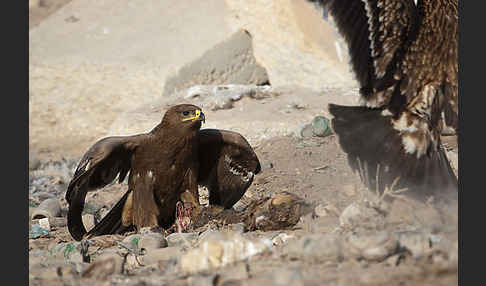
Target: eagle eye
[[186, 113]]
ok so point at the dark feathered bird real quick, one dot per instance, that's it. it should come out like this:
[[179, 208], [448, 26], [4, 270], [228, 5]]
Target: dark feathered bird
[[404, 56], [174, 157]]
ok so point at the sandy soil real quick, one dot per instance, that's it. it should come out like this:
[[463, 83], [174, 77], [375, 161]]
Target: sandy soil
[[315, 169]]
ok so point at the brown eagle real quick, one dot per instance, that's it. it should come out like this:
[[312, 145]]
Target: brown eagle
[[404, 56], [162, 164]]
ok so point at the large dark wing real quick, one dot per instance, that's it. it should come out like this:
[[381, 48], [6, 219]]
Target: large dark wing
[[377, 33], [99, 166], [227, 165]]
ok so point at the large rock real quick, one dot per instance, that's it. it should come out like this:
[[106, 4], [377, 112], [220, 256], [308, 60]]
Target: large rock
[[229, 62], [316, 248], [372, 246], [293, 42], [130, 33], [362, 214]]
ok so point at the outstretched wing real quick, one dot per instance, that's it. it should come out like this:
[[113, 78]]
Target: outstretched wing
[[227, 165], [99, 166]]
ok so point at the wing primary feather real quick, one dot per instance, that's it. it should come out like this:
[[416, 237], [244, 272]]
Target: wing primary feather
[[99, 166], [227, 165], [112, 221]]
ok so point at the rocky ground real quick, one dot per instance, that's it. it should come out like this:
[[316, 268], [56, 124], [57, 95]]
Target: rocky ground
[[340, 233]]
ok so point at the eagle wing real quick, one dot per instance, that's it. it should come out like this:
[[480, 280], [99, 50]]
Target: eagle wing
[[98, 167], [377, 33], [404, 55], [386, 45], [227, 165]]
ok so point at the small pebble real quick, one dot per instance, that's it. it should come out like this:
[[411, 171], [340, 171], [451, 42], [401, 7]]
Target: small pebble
[[316, 248], [131, 241], [415, 242], [306, 131], [152, 241], [180, 239], [361, 215], [281, 239], [48, 208], [160, 254], [372, 246], [238, 227], [320, 126], [88, 221], [103, 267], [267, 166]]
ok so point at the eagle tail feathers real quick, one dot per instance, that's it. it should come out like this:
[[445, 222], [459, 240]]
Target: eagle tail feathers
[[112, 222]]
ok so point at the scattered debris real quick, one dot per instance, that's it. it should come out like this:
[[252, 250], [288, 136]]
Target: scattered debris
[[217, 97], [44, 223], [281, 238], [279, 211], [38, 231]]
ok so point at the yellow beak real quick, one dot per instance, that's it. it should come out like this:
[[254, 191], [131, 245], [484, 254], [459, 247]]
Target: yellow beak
[[197, 116]]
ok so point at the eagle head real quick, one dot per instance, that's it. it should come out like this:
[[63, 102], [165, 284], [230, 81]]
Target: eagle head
[[184, 116]]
